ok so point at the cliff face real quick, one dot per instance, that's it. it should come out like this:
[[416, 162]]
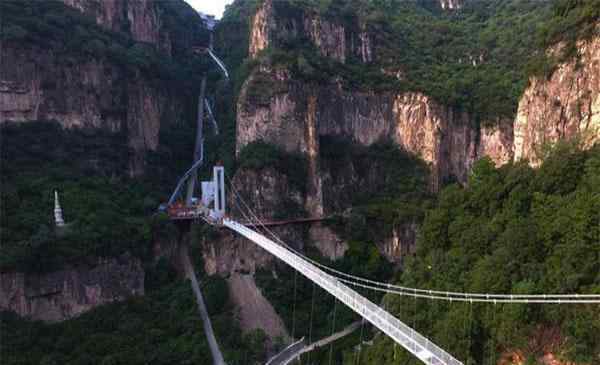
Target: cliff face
[[36, 84], [561, 107], [69, 292], [276, 108], [141, 19], [278, 22], [108, 81], [445, 138]]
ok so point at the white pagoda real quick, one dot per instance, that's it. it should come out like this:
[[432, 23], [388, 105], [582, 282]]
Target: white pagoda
[[58, 217]]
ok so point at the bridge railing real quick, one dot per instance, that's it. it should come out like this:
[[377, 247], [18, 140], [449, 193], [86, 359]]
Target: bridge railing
[[411, 340]]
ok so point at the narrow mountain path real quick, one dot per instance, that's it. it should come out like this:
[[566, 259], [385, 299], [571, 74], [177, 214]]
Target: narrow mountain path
[[208, 330]]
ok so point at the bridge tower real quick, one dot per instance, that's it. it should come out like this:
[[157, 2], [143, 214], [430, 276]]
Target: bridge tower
[[219, 192]]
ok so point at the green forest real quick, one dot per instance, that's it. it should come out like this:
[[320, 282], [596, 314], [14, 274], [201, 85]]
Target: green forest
[[105, 211], [512, 230]]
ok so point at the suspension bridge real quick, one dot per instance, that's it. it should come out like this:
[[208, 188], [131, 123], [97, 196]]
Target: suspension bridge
[[340, 284], [210, 207]]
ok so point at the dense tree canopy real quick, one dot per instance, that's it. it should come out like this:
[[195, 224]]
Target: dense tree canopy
[[512, 230]]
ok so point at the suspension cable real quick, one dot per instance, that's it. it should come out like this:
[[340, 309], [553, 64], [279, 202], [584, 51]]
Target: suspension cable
[[470, 333], [312, 309], [362, 327], [332, 329], [465, 333], [294, 306], [493, 352], [425, 293]]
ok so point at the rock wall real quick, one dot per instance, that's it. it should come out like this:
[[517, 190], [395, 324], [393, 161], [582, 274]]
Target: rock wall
[[67, 293], [139, 18], [564, 106], [296, 116], [447, 139], [38, 84], [277, 22], [276, 108]]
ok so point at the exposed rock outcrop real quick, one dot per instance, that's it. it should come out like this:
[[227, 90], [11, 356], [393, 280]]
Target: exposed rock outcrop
[[277, 22], [37, 84], [447, 139], [564, 106], [260, 30], [142, 19], [229, 253], [67, 293]]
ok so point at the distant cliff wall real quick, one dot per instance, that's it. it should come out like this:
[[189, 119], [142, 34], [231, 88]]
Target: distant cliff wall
[[278, 22], [564, 106], [449, 140], [144, 20], [67, 293], [36, 84], [121, 79]]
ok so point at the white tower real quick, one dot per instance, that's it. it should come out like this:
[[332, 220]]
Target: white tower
[[58, 218]]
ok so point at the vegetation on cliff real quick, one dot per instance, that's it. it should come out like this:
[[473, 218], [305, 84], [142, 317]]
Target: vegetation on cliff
[[473, 59], [572, 20], [477, 59], [76, 36], [512, 230], [105, 210], [379, 187], [108, 211], [258, 155], [388, 188]]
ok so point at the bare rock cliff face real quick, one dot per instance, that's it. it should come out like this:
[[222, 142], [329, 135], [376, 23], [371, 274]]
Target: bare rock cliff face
[[67, 293], [445, 138], [140, 18], [296, 116], [42, 82], [276, 108], [449, 140], [565, 106], [279, 21], [36, 84]]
